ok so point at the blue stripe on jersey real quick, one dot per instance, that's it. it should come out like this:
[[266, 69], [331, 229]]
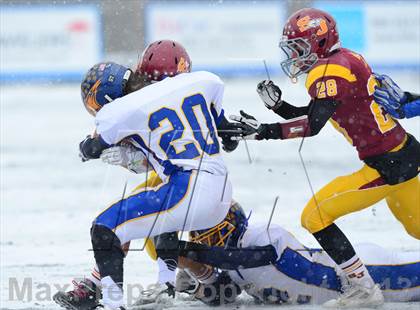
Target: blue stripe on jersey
[[162, 198], [168, 167], [396, 277], [299, 268]]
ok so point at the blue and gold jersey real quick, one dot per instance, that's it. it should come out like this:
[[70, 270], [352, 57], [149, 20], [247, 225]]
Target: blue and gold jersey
[[174, 122]]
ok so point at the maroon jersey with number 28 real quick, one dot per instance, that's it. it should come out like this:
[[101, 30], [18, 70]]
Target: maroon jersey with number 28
[[346, 77]]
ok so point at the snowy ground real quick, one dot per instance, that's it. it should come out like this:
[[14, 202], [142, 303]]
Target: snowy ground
[[49, 198]]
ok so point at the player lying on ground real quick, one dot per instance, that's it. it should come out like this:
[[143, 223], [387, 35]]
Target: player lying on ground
[[284, 270], [273, 267], [341, 84], [398, 103], [174, 123]]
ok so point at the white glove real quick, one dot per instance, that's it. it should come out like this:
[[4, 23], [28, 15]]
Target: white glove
[[251, 127], [125, 156], [270, 94], [185, 282]]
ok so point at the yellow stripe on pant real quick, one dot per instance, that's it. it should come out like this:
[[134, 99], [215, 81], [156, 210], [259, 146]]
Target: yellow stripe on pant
[[357, 191], [152, 181]]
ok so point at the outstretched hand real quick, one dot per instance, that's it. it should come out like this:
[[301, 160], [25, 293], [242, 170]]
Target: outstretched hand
[[270, 94], [250, 126]]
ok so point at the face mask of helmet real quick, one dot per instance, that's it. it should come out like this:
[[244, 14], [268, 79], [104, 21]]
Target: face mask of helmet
[[215, 236], [299, 57], [227, 232]]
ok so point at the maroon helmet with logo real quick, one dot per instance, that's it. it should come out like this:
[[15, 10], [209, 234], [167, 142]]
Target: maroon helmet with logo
[[162, 59], [309, 34]]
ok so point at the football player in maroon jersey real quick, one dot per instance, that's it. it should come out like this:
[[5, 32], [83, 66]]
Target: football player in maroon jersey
[[341, 86]]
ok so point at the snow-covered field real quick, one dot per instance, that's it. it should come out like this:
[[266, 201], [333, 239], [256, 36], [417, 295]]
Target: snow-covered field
[[49, 197]]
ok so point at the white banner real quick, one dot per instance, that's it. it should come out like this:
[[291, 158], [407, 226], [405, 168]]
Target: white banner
[[386, 33], [47, 42], [224, 37], [393, 33]]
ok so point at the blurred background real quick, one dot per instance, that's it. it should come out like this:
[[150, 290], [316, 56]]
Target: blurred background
[[60, 39], [49, 198]]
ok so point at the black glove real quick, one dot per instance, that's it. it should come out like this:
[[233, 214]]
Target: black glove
[[253, 130], [270, 94], [250, 129], [226, 131], [91, 148]]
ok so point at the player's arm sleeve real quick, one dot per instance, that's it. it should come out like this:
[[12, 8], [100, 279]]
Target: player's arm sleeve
[[412, 107], [215, 89], [327, 87], [319, 112], [288, 111], [229, 258], [116, 122], [412, 96]]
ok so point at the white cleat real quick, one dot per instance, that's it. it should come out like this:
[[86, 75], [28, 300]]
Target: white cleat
[[356, 296]]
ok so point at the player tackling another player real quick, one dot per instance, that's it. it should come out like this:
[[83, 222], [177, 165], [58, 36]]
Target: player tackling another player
[[174, 123], [161, 59], [341, 86]]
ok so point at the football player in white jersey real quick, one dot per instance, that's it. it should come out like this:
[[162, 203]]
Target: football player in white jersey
[[271, 265], [175, 124], [161, 59]]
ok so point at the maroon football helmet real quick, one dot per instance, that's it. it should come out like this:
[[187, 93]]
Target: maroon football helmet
[[162, 59], [309, 34]]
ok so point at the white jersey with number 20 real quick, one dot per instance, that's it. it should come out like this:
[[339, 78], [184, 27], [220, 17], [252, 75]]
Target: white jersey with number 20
[[173, 122]]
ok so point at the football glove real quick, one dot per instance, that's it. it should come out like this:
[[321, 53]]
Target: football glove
[[226, 133], [251, 128], [270, 94], [390, 96], [91, 148], [125, 156], [185, 283]]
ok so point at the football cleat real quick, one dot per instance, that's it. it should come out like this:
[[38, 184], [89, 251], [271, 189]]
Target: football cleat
[[84, 296], [357, 296]]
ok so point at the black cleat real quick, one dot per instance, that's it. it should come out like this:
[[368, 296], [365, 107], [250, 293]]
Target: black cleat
[[84, 296]]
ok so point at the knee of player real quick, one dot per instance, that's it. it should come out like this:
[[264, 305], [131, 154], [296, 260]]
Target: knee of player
[[310, 218], [103, 238], [306, 216]]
